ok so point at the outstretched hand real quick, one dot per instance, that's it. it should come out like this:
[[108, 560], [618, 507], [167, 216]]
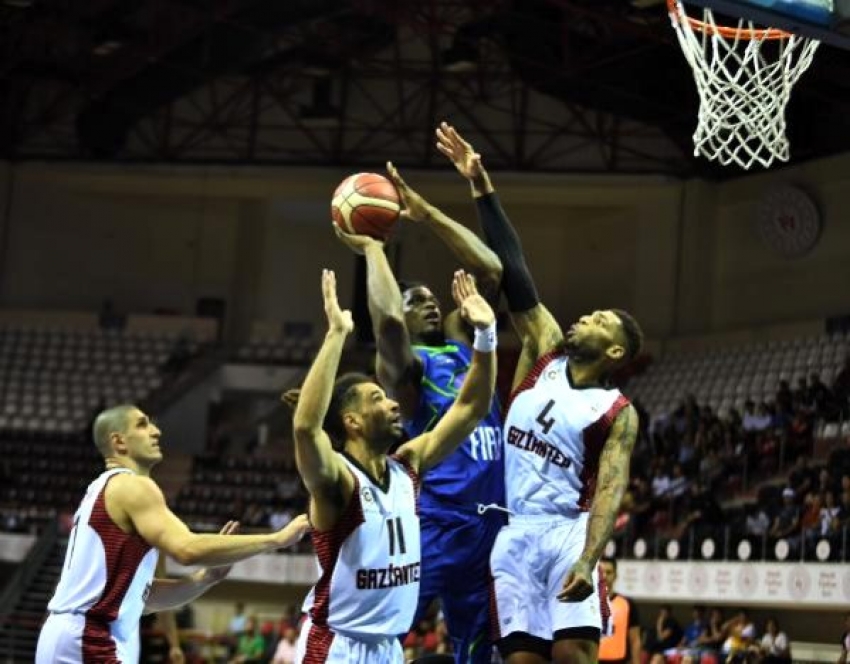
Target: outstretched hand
[[339, 320], [414, 207], [357, 243], [474, 309], [460, 152]]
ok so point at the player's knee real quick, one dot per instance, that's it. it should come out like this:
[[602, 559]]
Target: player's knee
[[576, 646]]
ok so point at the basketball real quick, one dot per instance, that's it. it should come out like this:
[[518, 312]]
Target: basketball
[[366, 204]]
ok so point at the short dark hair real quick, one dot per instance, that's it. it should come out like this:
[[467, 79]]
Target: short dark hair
[[632, 332], [344, 394], [405, 285], [611, 561], [109, 421]]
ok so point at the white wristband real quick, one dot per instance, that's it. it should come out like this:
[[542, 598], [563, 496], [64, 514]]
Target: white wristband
[[485, 340]]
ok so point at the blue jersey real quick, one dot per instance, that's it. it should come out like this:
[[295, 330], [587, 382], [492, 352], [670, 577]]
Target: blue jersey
[[474, 473]]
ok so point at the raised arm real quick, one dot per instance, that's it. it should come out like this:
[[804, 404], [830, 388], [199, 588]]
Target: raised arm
[[398, 369], [322, 470], [474, 255], [611, 484], [476, 393], [539, 331], [137, 502]]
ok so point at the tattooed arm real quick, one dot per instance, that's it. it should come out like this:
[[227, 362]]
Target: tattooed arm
[[611, 484]]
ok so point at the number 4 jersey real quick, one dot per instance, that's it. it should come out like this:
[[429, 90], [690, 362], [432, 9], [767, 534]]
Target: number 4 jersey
[[370, 559], [554, 434]]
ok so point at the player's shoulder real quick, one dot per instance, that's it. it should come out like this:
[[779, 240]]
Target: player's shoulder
[[132, 489]]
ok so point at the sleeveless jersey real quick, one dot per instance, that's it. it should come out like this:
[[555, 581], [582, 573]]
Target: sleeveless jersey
[[473, 473], [107, 573], [370, 559], [554, 434]]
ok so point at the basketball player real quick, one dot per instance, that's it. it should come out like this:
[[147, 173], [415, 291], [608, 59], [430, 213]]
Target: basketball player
[[120, 527], [363, 503], [568, 438], [422, 359]]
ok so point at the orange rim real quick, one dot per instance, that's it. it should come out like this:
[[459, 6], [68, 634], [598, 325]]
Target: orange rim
[[730, 33]]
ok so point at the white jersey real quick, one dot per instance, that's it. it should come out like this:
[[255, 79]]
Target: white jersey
[[370, 560], [554, 434], [106, 577]]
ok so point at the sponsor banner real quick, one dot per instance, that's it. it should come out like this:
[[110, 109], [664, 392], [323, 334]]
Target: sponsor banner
[[776, 584]]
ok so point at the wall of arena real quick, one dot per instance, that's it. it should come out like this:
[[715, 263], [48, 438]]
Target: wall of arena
[[686, 257]]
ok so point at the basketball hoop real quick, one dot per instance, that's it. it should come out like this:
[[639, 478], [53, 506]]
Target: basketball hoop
[[743, 85]]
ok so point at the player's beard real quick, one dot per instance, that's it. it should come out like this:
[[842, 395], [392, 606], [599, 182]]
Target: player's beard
[[582, 353]]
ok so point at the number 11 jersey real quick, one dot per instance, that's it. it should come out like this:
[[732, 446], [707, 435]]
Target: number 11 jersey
[[554, 434], [370, 560]]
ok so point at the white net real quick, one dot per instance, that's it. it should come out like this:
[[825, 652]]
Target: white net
[[744, 77]]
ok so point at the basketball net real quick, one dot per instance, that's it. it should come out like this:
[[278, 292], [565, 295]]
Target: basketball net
[[744, 77]]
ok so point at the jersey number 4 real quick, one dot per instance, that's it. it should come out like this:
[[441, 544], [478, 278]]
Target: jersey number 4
[[543, 420], [396, 533]]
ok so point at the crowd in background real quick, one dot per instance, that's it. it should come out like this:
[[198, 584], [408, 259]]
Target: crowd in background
[[689, 461]]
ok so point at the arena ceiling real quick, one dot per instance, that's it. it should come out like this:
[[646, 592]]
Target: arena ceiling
[[539, 85]]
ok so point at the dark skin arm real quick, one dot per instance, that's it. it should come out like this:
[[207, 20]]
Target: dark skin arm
[[474, 255], [397, 367], [538, 329], [612, 481]]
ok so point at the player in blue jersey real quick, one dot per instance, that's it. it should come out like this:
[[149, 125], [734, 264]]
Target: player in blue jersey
[[422, 358]]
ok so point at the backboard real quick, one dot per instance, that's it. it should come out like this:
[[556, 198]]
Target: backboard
[[828, 22]]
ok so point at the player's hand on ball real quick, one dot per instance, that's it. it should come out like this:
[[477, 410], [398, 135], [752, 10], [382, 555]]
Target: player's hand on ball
[[466, 160], [357, 243], [578, 585], [415, 208], [473, 307], [339, 320]]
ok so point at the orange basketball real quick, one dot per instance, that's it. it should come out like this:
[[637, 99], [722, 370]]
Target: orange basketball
[[366, 204]]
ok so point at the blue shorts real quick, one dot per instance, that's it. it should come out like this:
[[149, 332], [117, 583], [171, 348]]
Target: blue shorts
[[456, 568]]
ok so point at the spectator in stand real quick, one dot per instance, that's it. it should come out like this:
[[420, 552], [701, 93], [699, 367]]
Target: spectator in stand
[[712, 639], [660, 482], [285, 651], [251, 645], [623, 644], [689, 646], [679, 484], [787, 523], [784, 397], [757, 523], [810, 514], [801, 392], [802, 478], [829, 514], [826, 482], [664, 638], [845, 640], [641, 509], [704, 514], [757, 419], [425, 639], [842, 519], [774, 647], [820, 395], [236, 626], [741, 634], [841, 388], [711, 467]]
